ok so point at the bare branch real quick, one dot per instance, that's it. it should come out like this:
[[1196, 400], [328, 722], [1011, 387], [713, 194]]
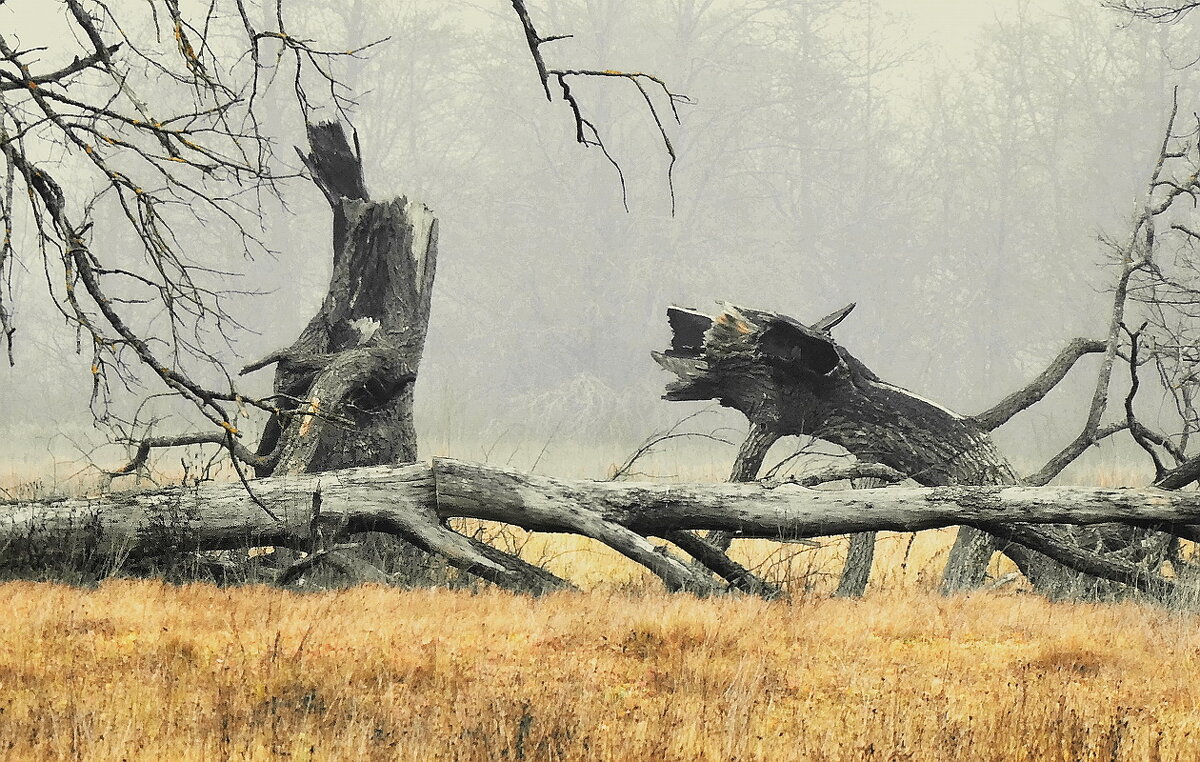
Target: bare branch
[[1068, 454], [654, 440], [1157, 12], [1094, 564], [715, 560], [586, 133], [79, 64], [1131, 419], [837, 473], [535, 43], [145, 446], [1037, 389]]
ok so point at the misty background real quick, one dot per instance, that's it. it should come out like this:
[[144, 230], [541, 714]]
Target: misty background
[[948, 166]]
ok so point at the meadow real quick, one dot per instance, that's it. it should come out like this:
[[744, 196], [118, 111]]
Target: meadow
[[144, 670], [140, 670]]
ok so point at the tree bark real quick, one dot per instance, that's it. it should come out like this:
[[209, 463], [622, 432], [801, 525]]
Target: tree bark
[[966, 567], [789, 378], [857, 571], [414, 501], [860, 556], [353, 368], [746, 466]]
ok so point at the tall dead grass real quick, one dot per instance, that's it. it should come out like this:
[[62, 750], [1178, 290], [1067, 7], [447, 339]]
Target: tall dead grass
[[142, 670]]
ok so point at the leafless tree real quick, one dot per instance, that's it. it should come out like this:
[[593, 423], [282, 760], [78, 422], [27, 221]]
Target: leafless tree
[[144, 124], [1163, 12]]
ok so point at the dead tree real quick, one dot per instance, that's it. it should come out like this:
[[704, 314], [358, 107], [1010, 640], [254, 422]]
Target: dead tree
[[352, 369], [794, 379], [791, 378], [171, 131], [860, 555]]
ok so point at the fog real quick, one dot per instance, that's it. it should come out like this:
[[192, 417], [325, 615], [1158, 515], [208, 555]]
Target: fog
[[948, 166]]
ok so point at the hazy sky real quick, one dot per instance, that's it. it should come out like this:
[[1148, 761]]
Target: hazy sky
[[982, 180], [948, 20]]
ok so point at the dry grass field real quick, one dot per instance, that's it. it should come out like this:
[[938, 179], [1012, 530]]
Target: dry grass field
[[143, 670]]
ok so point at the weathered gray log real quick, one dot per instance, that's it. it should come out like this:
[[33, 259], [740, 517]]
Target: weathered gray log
[[746, 465], [860, 556], [399, 500], [786, 511], [414, 501]]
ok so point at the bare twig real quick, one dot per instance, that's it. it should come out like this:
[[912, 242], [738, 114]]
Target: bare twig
[[1131, 419], [586, 132]]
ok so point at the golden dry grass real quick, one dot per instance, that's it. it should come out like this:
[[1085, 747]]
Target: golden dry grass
[[141, 670]]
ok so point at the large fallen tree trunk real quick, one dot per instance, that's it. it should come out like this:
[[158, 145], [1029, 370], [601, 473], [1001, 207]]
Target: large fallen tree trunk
[[789, 378], [414, 501]]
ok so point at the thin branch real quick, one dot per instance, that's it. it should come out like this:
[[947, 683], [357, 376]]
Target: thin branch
[[837, 473], [145, 446], [535, 43], [586, 133], [79, 64], [1131, 419], [657, 438], [715, 560]]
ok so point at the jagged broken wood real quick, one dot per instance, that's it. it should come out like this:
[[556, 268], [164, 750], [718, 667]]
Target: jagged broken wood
[[415, 501], [353, 367]]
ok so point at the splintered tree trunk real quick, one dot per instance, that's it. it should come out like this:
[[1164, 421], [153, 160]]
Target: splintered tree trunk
[[350, 376], [791, 378], [354, 365]]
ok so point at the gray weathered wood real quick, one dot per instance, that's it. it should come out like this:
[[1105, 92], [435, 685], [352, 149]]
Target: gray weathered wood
[[860, 556], [413, 501], [354, 365], [792, 378]]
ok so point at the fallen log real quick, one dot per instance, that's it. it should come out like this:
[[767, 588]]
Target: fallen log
[[414, 502], [789, 378]]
